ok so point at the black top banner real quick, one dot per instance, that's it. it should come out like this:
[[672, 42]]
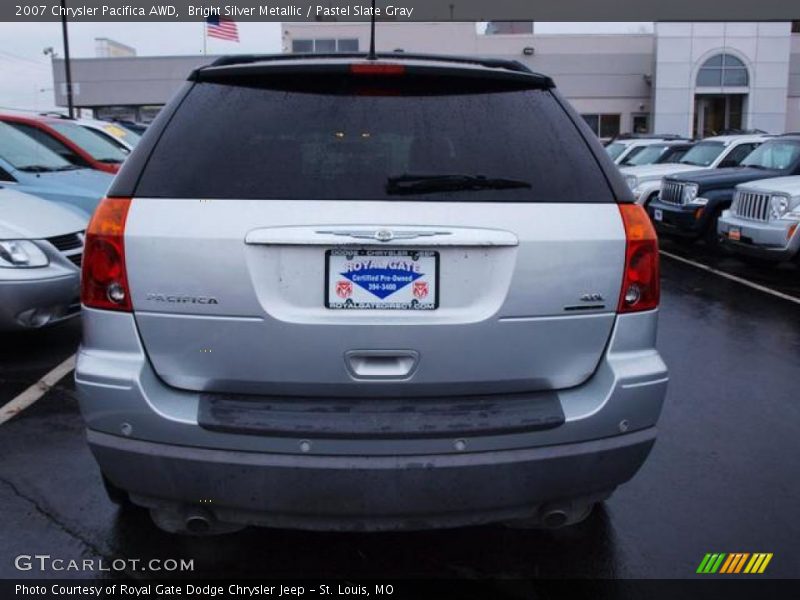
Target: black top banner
[[401, 10]]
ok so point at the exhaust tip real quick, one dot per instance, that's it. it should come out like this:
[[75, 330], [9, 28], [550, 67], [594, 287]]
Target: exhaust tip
[[553, 518], [197, 523]]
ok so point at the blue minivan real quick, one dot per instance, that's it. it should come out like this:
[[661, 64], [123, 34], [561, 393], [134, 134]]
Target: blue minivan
[[28, 166]]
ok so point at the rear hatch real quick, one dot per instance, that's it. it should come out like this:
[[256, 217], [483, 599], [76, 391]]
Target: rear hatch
[[409, 232]]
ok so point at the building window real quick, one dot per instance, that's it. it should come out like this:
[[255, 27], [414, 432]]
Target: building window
[[795, 26], [641, 123], [604, 126], [722, 70], [347, 45], [302, 46], [324, 46], [509, 28]]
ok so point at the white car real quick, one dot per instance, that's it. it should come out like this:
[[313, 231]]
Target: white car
[[116, 133], [711, 153], [41, 245], [623, 149]]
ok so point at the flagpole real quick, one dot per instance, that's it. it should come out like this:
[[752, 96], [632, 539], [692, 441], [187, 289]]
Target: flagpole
[[205, 28]]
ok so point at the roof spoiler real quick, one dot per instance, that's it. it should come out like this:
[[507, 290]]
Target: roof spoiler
[[511, 66]]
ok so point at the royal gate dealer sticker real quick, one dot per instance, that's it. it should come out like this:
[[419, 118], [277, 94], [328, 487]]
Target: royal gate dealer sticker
[[382, 279]]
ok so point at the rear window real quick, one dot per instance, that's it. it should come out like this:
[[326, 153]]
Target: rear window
[[373, 139]]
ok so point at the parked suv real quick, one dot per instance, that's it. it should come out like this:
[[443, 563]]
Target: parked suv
[[690, 204], [334, 306], [624, 149], [712, 153], [659, 153], [763, 220]]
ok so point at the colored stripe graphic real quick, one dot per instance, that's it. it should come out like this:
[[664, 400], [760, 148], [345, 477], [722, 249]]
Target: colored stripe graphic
[[711, 563], [722, 563], [734, 563], [703, 563], [732, 558], [716, 565], [758, 563], [728, 564], [765, 563], [741, 562]]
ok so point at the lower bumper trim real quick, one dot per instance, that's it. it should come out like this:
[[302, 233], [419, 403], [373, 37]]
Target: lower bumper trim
[[380, 418], [367, 492]]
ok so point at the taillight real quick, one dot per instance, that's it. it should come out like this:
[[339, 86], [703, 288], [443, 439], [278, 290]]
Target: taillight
[[641, 286], [104, 282], [377, 69]]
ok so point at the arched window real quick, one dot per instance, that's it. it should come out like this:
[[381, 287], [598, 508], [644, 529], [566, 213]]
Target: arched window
[[722, 70]]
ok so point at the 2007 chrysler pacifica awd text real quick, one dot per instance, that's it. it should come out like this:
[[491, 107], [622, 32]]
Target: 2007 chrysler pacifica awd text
[[339, 293]]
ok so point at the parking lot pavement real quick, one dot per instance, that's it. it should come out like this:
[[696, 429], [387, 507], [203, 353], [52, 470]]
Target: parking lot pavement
[[721, 478], [784, 278], [27, 356]]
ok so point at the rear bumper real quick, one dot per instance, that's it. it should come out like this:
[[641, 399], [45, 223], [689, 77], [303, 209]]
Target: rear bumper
[[368, 492], [148, 439]]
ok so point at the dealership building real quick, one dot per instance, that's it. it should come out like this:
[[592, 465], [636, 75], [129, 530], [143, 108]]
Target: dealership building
[[692, 79]]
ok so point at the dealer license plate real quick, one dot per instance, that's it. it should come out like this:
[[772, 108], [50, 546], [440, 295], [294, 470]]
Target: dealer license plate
[[381, 279]]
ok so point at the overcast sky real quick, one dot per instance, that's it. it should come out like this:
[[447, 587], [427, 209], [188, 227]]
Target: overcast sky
[[26, 80]]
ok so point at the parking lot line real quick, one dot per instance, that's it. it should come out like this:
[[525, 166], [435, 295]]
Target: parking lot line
[[750, 284], [36, 391]]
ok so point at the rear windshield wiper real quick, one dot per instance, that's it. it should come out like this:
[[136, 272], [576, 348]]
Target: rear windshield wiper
[[415, 184]]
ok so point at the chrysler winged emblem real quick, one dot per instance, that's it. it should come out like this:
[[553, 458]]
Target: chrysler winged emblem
[[382, 235]]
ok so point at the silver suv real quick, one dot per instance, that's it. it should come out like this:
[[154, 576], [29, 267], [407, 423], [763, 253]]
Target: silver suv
[[340, 293], [762, 222]]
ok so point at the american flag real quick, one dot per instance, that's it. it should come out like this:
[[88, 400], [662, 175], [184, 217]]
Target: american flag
[[222, 28]]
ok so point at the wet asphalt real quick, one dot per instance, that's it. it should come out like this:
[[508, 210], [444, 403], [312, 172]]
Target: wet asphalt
[[723, 476]]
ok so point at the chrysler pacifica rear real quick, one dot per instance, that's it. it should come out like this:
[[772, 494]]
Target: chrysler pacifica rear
[[345, 294]]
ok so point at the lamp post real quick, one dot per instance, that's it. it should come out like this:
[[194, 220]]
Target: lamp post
[[67, 69]]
